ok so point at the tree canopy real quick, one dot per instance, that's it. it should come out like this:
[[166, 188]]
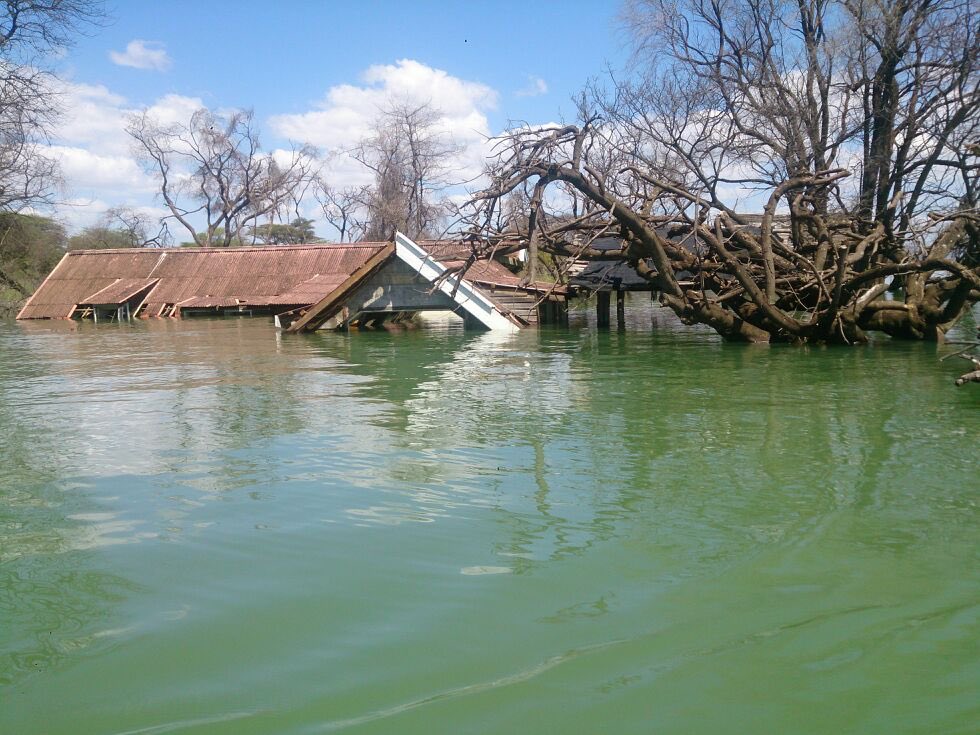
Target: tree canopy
[[850, 125], [30, 247], [297, 232]]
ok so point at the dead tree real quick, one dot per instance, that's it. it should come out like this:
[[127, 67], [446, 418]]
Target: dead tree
[[411, 159], [31, 32], [971, 353], [344, 209], [857, 153], [974, 375], [212, 171]]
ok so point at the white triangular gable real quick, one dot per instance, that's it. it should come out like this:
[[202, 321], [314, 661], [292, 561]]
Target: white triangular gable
[[466, 295]]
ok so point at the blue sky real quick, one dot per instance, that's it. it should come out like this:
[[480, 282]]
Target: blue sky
[[313, 71]]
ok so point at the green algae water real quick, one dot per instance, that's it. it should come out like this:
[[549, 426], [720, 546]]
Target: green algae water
[[206, 527]]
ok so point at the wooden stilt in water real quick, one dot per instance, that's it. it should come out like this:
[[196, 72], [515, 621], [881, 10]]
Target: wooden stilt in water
[[602, 309], [620, 309]]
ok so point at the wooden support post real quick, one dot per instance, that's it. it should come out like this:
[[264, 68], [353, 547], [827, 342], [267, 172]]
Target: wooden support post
[[549, 312], [620, 309], [602, 309]]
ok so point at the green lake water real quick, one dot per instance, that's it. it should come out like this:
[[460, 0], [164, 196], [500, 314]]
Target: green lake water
[[206, 527]]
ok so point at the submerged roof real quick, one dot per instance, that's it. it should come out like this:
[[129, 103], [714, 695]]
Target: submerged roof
[[121, 290], [484, 271], [604, 275], [256, 276], [318, 276]]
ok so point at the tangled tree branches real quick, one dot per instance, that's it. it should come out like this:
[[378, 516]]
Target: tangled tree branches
[[31, 33], [213, 169], [850, 125]]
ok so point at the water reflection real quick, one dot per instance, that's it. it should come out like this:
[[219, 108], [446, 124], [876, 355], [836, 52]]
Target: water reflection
[[429, 423], [610, 466]]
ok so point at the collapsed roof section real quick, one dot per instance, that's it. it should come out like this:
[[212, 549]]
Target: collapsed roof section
[[412, 279]]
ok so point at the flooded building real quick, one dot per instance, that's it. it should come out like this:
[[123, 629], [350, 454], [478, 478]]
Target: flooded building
[[305, 287]]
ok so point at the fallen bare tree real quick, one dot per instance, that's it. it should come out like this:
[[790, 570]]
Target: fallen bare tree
[[852, 127], [974, 375]]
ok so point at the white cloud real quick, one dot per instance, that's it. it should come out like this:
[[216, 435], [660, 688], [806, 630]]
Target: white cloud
[[97, 182], [95, 117], [174, 108], [88, 170], [101, 169], [96, 154], [141, 54], [535, 87], [346, 113]]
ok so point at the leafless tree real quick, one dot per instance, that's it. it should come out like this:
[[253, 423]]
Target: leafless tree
[[122, 227], [971, 353], [141, 229], [850, 124], [213, 170], [344, 209], [31, 31], [411, 159]]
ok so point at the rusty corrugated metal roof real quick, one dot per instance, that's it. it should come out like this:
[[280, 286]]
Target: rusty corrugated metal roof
[[311, 290], [253, 275], [462, 249], [446, 249], [119, 292], [494, 274], [484, 271]]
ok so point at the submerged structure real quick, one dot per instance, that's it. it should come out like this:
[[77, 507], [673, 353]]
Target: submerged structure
[[305, 287]]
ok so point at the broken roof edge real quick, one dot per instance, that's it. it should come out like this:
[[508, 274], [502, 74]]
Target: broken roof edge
[[27, 304], [132, 287], [321, 308]]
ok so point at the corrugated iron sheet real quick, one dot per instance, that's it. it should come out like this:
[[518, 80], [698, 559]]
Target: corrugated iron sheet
[[459, 249], [204, 302], [311, 290], [255, 276], [494, 274], [119, 292], [443, 250]]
